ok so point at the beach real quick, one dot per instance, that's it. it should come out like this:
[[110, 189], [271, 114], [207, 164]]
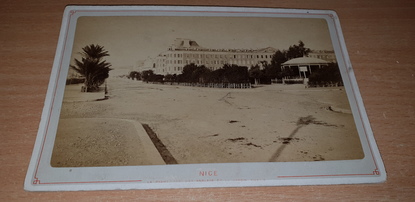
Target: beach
[[268, 123]]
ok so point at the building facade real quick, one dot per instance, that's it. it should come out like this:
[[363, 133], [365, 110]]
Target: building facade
[[326, 55], [186, 51]]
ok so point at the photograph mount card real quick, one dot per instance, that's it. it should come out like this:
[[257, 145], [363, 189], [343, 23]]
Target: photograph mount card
[[153, 97]]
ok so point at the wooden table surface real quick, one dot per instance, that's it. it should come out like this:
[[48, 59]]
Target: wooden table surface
[[380, 37]]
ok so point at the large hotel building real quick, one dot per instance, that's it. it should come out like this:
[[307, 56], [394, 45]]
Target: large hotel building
[[186, 51]]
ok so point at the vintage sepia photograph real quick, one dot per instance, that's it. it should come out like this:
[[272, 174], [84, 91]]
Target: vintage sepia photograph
[[159, 90]]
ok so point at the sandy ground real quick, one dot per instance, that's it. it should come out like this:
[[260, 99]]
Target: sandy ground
[[203, 125]]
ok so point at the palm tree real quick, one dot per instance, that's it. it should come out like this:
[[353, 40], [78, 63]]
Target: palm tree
[[92, 67]]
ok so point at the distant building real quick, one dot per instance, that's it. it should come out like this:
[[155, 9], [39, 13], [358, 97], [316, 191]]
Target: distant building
[[186, 51], [326, 55], [143, 65], [139, 64]]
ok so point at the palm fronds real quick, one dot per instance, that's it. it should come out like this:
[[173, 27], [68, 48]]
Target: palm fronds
[[92, 66]]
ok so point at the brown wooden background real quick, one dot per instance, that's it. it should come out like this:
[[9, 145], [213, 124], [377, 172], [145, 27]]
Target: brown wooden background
[[380, 37]]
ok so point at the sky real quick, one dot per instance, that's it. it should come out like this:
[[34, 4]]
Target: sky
[[129, 39]]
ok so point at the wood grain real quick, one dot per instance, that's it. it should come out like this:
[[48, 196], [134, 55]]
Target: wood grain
[[380, 37]]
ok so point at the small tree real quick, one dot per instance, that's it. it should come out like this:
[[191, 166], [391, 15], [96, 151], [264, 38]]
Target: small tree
[[277, 60], [200, 74], [92, 67], [236, 74], [135, 75], [296, 51], [168, 78], [147, 75], [187, 73], [326, 75], [218, 76], [256, 73]]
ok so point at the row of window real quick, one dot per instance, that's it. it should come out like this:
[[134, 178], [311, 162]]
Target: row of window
[[179, 69], [208, 61], [171, 69], [324, 56], [218, 56]]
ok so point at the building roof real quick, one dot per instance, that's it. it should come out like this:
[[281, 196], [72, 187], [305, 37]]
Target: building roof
[[267, 49], [185, 43], [305, 61], [188, 44]]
